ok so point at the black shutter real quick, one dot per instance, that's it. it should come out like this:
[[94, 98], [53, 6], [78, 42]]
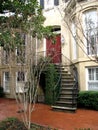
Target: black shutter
[[56, 2], [42, 3]]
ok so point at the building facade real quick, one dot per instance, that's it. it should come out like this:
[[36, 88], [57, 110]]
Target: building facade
[[76, 22]]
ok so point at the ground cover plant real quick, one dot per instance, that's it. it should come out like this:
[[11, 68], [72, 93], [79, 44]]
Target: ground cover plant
[[15, 124]]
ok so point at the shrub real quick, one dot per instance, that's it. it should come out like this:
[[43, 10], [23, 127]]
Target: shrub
[[50, 82], [88, 99], [12, 124], [15, 124], [1, 92]]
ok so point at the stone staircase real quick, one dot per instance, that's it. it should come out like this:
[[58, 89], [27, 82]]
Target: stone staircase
[[67, 100]]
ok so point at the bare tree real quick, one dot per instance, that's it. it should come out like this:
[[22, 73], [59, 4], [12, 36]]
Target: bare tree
[[83, 31], [20, 27]]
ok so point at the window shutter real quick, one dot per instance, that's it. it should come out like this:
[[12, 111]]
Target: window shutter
[[42, 3], [56, 2]]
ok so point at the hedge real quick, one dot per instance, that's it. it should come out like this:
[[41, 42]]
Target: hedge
[[88, 99], [1, 92]]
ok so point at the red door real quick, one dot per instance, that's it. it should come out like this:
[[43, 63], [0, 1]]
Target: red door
[[54, 50]]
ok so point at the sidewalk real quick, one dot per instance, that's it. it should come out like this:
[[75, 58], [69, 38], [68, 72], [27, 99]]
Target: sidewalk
[[44, 115]]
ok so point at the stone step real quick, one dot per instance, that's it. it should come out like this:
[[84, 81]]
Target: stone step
[[65, 102], [67, 99], [67, 84], [68, 93], [61, 108], [67, 78], [67, 88]]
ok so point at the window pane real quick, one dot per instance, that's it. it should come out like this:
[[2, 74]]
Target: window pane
[[20, 76], [93, 86], [91, 74], [42, 3], [56, 2], [6, 81], [96, 73], [7, 76], [90, 20]]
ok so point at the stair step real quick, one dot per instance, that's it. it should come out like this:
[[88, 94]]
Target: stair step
[[65, 102], [67, 84], [66, 88], [68, 81], [67, 78], [64, 108], [66, 92], [66, 97]]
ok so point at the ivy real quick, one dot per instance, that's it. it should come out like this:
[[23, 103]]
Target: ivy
[[51, 80]]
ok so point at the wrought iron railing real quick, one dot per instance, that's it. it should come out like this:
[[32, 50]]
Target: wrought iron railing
[[71, 68]]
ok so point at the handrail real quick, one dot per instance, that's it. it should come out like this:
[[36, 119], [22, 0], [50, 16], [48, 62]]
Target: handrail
[[73, 70]]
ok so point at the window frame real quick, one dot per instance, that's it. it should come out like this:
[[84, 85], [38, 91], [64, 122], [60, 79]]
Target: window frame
[[6, 81], [90, 30], [94, 80], [20, 82]]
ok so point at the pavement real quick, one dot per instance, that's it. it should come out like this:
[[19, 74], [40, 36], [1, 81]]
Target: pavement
[[44, 115]]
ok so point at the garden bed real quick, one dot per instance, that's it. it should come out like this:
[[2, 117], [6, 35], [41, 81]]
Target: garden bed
[[16, 124]]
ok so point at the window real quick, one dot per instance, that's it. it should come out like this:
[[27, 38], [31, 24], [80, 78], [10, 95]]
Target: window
[[49, 4], [42, 3], [6, 56], [20, 51], [92, 79], [20, 76], [91, 31], [20, 81], [66, 1], [6, 81], [56, 2]]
